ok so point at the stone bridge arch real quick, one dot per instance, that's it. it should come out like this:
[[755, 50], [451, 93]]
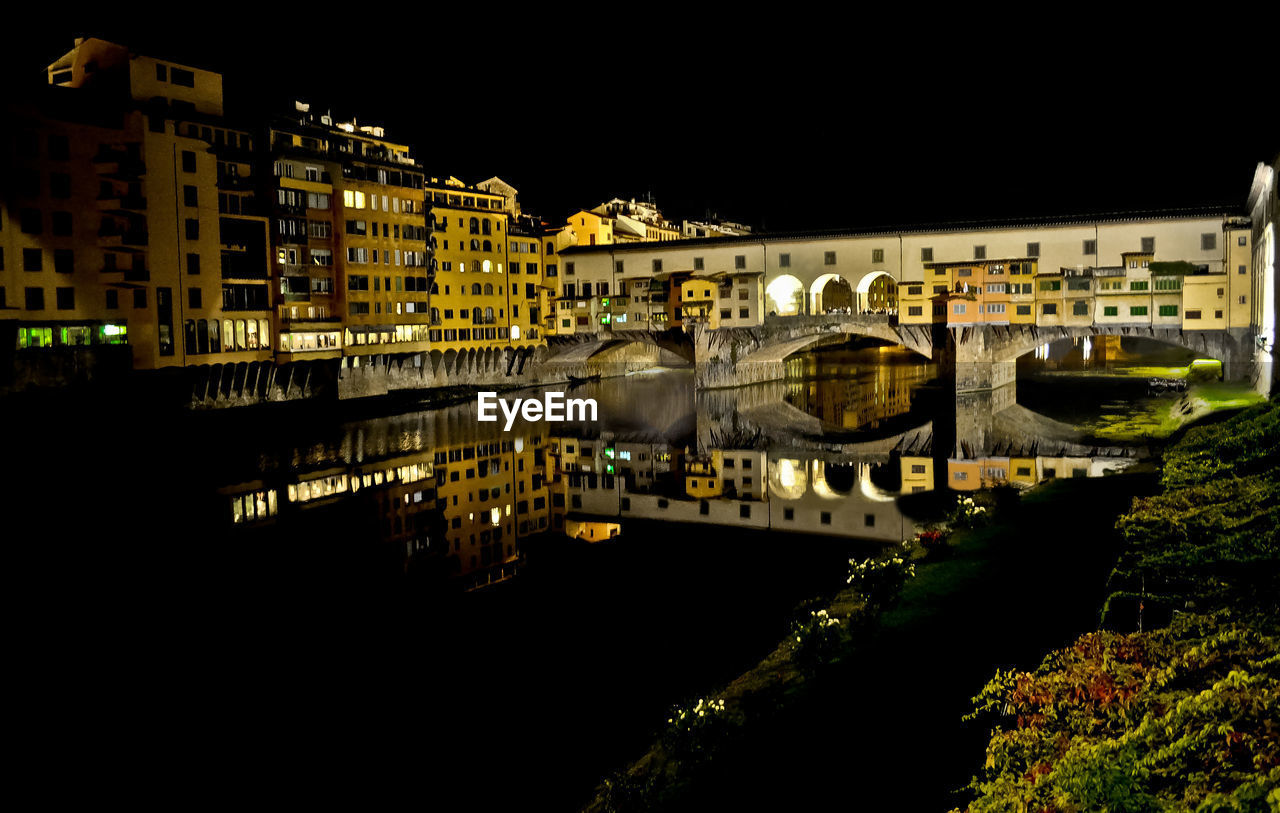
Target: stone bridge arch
[[731, 357], [582, 347], [986, 356], [1009, 343]]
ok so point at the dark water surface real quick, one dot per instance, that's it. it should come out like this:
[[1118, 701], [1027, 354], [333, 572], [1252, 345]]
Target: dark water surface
[[280, 598]]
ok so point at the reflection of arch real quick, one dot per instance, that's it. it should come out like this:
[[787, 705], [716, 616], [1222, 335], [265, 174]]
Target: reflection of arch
[[842, 477], [872, 491], [787, 478], [785, 296], [820, 485]]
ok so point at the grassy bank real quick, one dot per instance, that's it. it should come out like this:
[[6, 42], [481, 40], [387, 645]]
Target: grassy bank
[[1175, 705], [869, 681]]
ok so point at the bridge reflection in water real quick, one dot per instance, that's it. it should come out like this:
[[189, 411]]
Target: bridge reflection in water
[[828, 452]]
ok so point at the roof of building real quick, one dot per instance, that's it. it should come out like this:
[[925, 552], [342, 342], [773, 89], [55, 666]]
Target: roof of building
[[939, 228]]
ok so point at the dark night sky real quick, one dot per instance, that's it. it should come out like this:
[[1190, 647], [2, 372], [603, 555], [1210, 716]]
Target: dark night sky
[[787, 125]]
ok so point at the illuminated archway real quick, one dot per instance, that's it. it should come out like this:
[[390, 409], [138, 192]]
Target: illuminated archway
[[877, 291], [785, 296], [817, 287]]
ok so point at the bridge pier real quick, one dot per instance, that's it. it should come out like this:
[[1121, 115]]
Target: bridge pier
[[975, 418]]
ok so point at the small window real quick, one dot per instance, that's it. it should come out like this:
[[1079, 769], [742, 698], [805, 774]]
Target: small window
[[1208, 242], [926, 255], [979, 252], [1090, 247], [877, 255], [1148, 245], [825, 518], [828, 258], [1033, 249], [784, 260], [697, 263], [740, 261]]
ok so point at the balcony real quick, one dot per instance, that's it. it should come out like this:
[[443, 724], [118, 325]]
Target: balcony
[[234, 182], [241, 265], [117, 201]]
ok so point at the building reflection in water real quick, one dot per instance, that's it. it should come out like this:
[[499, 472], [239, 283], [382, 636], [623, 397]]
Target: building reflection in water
[[442, 491]]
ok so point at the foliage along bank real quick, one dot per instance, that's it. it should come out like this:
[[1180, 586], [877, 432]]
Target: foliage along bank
[[1185, 716]]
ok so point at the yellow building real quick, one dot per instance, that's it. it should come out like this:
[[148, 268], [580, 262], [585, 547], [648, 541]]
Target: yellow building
[[529, 293], [917, 473], [590, 229], [471, 299], [126, 212], [592, 531], [700, 295], [702, 476]]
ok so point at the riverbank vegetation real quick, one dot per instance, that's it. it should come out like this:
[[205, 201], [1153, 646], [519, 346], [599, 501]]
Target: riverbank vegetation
[[1175, 704]]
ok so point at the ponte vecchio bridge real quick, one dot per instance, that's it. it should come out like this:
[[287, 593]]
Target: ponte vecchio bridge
[[972, 298]]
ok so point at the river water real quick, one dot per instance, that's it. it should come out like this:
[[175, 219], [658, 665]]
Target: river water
[[520, 607]]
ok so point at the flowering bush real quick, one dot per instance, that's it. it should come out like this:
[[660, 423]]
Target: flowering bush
[[880, 581], [968, 514], [819, 638], [700, 729], [930, 538]]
